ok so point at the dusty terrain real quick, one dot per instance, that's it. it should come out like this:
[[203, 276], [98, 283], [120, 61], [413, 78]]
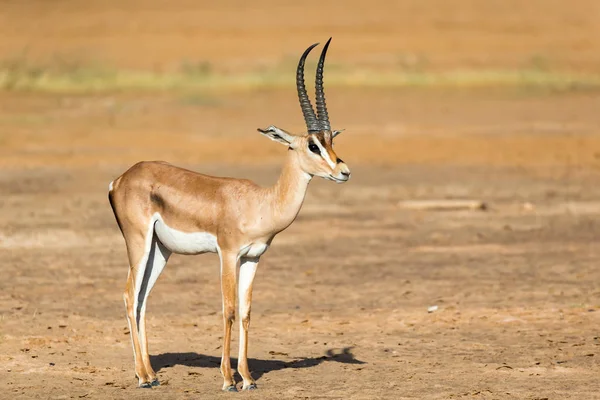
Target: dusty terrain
[[341, 299]]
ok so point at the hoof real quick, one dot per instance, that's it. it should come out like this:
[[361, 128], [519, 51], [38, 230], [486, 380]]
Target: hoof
[[145, 385], [230, 388], [155, 383], [251, 386]]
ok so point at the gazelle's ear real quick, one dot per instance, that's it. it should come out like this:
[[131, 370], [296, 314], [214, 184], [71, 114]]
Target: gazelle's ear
[[335, 133], [278, 135]]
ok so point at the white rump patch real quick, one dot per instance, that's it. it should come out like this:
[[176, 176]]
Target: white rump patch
[[182, 242], [110, 187]]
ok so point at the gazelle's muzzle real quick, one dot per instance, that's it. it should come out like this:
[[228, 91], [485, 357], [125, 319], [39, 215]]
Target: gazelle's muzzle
[[341, 172]]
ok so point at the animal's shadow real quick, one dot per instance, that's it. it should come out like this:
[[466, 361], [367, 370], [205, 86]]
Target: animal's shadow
[[258, 367]]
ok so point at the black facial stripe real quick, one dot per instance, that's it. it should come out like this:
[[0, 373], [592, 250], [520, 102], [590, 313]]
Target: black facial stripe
[[339, 160], [313, 147]]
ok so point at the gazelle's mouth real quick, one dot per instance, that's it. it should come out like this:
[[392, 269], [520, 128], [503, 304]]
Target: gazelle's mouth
[[337, 180]]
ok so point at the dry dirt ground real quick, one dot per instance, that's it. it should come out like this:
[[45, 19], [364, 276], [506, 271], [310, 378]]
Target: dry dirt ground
[[341, 299]]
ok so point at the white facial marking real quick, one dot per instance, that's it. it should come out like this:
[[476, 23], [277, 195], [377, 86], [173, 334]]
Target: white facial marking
[[183, 242], [324, 153], [110, 187]]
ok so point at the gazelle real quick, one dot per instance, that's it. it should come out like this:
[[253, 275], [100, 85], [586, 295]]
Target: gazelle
[[162, 209]]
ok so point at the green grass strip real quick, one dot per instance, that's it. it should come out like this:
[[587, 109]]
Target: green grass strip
[[86, 80]]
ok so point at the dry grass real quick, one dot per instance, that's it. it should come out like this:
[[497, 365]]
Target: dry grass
[[22, 75]]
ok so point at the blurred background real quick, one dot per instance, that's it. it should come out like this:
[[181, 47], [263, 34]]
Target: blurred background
[[170, 74], [473, 135]]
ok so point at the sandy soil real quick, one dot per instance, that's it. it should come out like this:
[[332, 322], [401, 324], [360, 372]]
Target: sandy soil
[[342, 313], [341, 299]]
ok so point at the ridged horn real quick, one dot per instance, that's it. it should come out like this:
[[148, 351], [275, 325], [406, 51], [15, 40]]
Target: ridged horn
[[310, 118], [322, 115]]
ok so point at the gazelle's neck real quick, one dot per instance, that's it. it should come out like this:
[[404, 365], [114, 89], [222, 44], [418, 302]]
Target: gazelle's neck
[[287, 195]]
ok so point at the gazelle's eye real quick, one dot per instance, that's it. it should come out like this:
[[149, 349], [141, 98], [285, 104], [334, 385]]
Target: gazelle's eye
[[314, 148]]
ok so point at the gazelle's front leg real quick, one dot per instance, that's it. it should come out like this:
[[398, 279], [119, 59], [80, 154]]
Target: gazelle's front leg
[[228, 284], [247, 271]]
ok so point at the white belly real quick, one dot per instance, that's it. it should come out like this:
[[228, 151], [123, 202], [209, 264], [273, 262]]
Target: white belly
[[183, 242]]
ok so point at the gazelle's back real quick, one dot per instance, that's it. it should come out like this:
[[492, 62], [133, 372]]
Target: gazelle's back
[[159, 187]]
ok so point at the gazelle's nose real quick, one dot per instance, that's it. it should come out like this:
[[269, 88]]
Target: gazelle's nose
[[343, 171]]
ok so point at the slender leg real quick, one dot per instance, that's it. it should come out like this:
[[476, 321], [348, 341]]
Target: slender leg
[[143, 251], [128, 297], [247, 271], [157, 259], [228, 284], [137, 250]]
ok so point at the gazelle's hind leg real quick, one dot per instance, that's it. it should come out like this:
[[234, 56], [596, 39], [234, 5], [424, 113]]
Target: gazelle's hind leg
[[147, 258], [157, 259]]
